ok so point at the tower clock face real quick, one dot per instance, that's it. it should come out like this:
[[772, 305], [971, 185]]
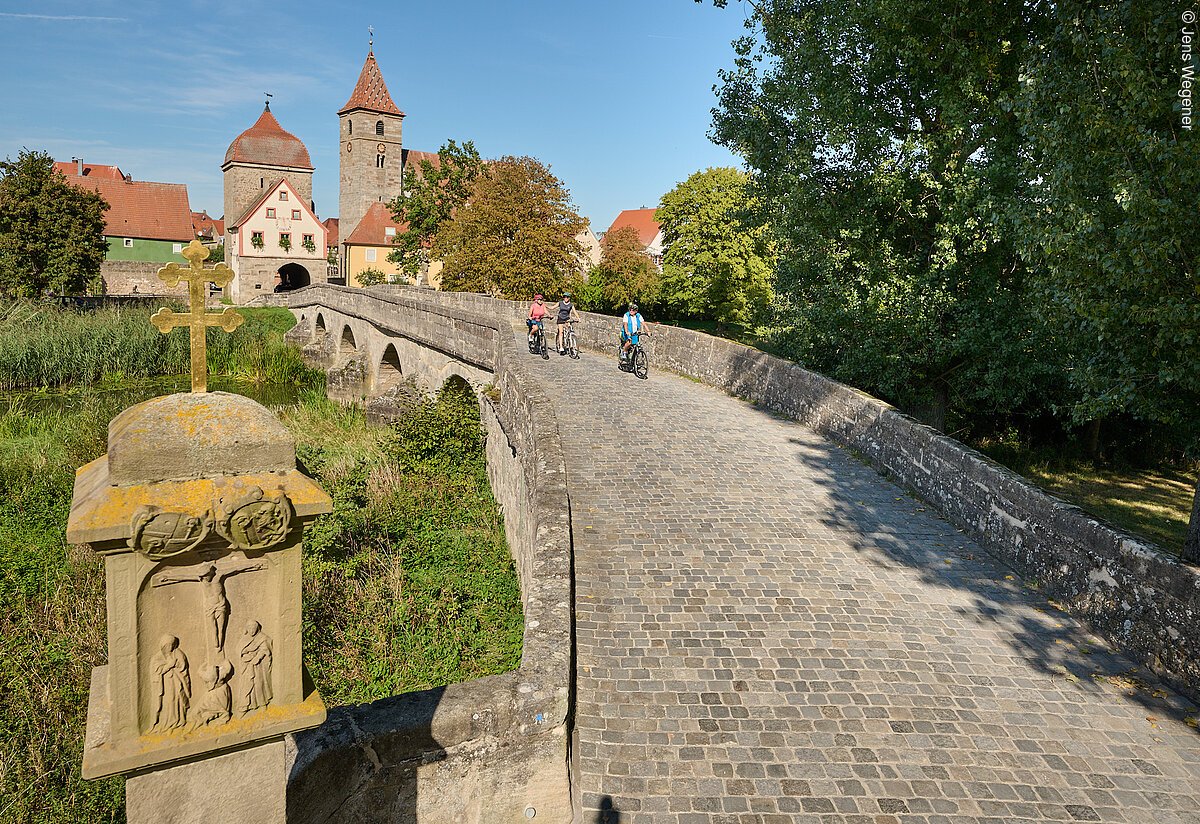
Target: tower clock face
[[382, 148], [349, 146]]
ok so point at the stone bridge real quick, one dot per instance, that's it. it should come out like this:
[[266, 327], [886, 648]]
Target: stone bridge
[[756, 595]]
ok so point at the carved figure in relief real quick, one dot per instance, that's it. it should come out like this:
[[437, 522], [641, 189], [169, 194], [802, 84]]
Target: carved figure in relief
[[169, 667], [256, 655], [216, 705], [158, 534], [211, 577], [255, 520]]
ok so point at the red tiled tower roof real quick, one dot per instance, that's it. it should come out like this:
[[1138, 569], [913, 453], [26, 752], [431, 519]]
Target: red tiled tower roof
[[267, 143], [371, 92], [331, 231], [643, 222]]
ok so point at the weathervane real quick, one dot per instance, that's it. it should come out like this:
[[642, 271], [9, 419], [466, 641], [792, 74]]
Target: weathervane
[[196, 318], [269, 96], [371, 41]]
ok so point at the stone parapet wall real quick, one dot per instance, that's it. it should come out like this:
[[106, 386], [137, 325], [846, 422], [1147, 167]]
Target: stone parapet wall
[[137, 277], [494, 749], [1143, 601]]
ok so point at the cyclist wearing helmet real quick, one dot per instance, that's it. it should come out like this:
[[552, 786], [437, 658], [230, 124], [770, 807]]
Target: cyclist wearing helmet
[[537, 315], [566, 313], [632, 327]]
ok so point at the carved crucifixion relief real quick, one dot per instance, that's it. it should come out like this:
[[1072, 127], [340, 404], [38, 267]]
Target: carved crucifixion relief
[[211, 577]]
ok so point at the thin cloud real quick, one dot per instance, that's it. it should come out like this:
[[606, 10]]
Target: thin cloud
[[63, 17]]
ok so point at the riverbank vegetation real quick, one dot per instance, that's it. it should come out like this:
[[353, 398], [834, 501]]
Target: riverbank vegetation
[[44, 345], [407, 585]]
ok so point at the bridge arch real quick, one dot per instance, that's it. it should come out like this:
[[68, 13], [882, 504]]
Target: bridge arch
[[347, 346], [388, 373], [319, 328]]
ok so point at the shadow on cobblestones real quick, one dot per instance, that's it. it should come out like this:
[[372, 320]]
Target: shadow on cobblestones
[[890, 528]]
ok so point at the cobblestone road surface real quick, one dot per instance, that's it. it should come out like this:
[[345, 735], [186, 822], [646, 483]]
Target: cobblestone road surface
[[770, 632]]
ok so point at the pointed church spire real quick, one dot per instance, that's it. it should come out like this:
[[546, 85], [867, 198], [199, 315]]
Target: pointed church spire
[[371, 93]]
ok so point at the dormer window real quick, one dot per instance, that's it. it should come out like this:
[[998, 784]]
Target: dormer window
[[270, 212], [378, 127], [283, 195]]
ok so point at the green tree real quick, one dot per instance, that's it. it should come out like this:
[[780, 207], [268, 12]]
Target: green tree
[[718, 264], [432, 193], [624, 273], [51, 233], [1112, 226], [370, 277], [883, 138], [514, 235]]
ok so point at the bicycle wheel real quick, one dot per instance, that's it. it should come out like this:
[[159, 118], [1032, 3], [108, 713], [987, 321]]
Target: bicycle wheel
[[572, 345], [545, 354], [641, 364]]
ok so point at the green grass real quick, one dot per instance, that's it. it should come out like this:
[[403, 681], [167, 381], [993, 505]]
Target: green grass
[[43, 346], [408, 584], [1155, 504]]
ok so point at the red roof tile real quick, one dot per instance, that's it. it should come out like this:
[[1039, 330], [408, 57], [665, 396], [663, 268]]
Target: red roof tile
[[71, 169], [207, 227], [640, 219], [371, 230], [140, 209], [371, 92], [267, 143], [331, 231]]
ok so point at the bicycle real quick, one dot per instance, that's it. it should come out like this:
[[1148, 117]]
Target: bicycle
[[537, 341], [638, 361], [570, 342]]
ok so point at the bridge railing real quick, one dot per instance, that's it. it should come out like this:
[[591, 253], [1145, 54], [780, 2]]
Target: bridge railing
[[496, 748]]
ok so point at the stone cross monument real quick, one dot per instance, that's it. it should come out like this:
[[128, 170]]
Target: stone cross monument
[[198, 511]]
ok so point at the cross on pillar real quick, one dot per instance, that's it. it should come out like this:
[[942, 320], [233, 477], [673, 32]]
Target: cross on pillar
[[196, 318]]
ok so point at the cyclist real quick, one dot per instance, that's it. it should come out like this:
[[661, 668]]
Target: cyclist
[[632, 327], [537, 315], [566, 313]]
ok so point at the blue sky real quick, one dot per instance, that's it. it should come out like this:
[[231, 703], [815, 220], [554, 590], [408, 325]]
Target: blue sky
[[614, 94]]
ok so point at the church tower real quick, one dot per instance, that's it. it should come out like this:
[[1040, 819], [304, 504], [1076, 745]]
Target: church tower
[[371, 156]]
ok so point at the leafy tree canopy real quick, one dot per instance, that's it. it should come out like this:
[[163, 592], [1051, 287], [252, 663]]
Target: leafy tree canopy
[[51, 233], [1111, 226], [432, 192], [718, 264], [624, 273], [882, 136], [513, 235]]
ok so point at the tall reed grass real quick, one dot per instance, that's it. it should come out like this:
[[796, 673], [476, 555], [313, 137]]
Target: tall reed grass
[[42, 346]]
